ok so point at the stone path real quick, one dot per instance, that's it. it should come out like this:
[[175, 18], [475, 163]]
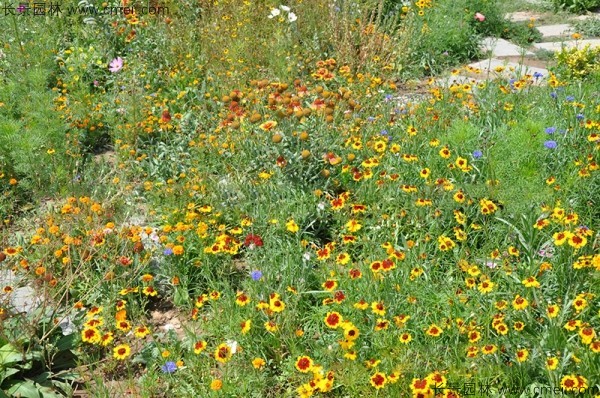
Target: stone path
[[507, 60]]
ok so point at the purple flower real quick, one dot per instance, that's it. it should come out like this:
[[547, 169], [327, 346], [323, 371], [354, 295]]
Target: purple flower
[[169, 367], [550, 144], [383, 132], [388, 98], [477, 154], [256, 275], [168, 251], [550, 130], [537, 75], [553, 94], [580, 116], [570, 98], [116, 65]]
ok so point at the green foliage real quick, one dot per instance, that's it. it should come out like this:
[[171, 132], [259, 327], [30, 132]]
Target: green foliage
[[577, 63], [589, 27], [576, 6]]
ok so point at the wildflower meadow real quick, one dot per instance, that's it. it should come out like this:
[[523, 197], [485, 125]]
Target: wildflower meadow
[[240, 198]]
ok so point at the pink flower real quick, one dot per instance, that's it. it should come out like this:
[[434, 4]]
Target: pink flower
[[479, 17], [116, 65]]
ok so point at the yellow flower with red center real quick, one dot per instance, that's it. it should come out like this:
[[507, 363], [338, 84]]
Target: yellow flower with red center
[[486, 286], [304, 364], [333, 320], [271, 326], [419, 386], [520, 303], [489, 349], [330, 285], [378, 380], [434, 330], [246, 325], [552, 311], [378, 308], [353, 226], [141, 331], [530, 282], [577, 241], [351, 332], [121, 352], [522, 355], [268, 125], [343, 258], [587, 335], [199, 346], [90, 335], [223, 353], [551, 363], [405, 338], [242, 299]]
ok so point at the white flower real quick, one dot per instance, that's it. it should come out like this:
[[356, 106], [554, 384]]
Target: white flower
[[274, 12], [233, 345], [292, 17], [285, 8]]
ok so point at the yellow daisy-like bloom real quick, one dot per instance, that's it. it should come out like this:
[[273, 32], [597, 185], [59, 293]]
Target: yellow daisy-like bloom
[[121, 352], [141, 332], [258, 363], [90, 335], [378, 380], [216, 385], [551, 363], [552, 311], [223, 353], [199, 347], [304, 364], [292, 226], [520, 303], [522, 355]]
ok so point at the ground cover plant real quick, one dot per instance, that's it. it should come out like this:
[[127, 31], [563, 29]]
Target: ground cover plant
[[231, 198]]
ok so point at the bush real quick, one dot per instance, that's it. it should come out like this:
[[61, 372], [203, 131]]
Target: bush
[[576, 6]]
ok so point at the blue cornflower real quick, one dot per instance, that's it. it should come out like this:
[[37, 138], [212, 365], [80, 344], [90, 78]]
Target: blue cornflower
[[580, 116], [388, 97], [169, 367], [550, 130], [570, 98], [550, 144], [537, 75], [554, 95], [256, 275], [168, 251], [383, 132], [477, 154]]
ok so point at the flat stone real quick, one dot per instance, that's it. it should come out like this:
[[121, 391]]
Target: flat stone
[[502, 48], [569, 44], [24, 299], [499, 68], [522, 16], [555, 30], [593, 15]]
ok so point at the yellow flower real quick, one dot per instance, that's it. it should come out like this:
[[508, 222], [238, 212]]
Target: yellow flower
[[292, 226], [258, 363], [121, 352], [216, 385]]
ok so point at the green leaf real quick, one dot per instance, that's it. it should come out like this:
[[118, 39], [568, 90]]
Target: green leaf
[[6, 373], [24, 389], [66, 342], [9, 355]]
